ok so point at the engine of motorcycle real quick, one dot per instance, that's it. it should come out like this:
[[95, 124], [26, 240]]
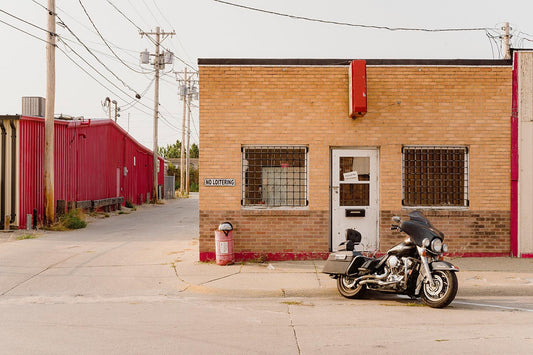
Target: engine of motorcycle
[[396, 267]]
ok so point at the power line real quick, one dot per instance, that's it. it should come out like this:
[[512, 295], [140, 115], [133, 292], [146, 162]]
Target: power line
[[164, 119], [41, 5], [134, 102], [96, 57], [93, 68], [100, 52], [296, 17], [126, 50], [170, 24], [162, 14], [105, 42], [83, 69], [21, 30], [102, 75], [62, 23], [150, 11], [151, 39], [123, 15], [193, 124], [138, 13], [27, 22]]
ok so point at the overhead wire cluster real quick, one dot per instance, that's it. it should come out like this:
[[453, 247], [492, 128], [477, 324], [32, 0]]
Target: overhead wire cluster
[[491, 32], [119, 86], [114, 84]]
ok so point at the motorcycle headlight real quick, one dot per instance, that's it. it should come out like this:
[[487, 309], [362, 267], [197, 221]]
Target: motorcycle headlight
[[445, 248], [436, 245], [425, 242]]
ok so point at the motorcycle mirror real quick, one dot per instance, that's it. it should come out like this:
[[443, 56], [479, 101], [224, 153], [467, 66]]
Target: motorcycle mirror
[[396, 219]]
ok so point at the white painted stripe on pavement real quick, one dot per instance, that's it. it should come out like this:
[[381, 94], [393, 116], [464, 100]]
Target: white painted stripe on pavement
[[493, 306]]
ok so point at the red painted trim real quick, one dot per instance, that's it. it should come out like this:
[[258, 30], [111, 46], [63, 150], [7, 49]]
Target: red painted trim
[[526, 255], [211, 256], [477, 255], [514, 161]]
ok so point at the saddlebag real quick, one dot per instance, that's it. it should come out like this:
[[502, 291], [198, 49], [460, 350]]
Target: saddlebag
[[343, 262]]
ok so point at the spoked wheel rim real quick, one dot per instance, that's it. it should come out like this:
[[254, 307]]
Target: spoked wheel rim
[[442, 284], [349, 288], [348, 283]]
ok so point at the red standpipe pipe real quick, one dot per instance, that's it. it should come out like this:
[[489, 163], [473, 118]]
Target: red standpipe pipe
[[514, 161]]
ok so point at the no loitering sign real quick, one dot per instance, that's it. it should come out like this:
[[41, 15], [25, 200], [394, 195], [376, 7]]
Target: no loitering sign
[[219, 182]]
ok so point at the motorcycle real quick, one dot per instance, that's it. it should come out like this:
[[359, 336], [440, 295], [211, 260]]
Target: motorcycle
[[414, 267]]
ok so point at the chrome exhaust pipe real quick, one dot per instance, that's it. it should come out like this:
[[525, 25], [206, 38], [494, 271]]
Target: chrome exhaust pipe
[[372, 278]]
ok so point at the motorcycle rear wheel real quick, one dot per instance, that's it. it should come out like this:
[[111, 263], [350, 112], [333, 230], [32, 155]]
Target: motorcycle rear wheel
[[445, 289], [347, 287]]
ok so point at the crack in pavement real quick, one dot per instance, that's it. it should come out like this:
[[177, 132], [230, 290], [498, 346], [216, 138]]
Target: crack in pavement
[[293, 329], [173, 265], [316, 274], [37, 274], [223, 277]]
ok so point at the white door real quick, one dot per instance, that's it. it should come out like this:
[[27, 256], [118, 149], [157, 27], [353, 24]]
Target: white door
[[355, 196]]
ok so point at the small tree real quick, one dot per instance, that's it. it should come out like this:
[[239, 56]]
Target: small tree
[[194, 151], [171, 150]]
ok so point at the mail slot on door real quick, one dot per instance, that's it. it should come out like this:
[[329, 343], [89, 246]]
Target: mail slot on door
[[355, 213]]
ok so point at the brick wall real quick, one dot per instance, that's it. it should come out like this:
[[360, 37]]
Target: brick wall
[[274, 234], [407, 105], [470, 233]]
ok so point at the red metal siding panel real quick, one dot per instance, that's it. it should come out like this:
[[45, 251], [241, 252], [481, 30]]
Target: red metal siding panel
[[89, 164], [31, 168]]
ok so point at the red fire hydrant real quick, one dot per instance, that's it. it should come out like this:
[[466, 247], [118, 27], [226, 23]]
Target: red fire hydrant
[[224, 244]]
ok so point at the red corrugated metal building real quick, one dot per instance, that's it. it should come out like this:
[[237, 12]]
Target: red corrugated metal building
[[93, 160]]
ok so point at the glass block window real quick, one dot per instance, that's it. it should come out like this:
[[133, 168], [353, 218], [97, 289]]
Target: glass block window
[[435, 176], [274, 176]]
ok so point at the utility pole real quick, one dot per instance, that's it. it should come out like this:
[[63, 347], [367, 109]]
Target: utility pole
[[187, 92], [117, 109], [188, 146], [107, 103], [506, 40], [182, 160], [49, 199], [159, 63]]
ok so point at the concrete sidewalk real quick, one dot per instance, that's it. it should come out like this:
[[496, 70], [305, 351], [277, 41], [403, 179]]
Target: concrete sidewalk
[[477, 277], [161, 236]]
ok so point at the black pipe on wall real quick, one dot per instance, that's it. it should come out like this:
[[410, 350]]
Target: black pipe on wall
[[2, 175]]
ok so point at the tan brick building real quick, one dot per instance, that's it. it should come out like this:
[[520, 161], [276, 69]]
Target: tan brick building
[[436, 136]]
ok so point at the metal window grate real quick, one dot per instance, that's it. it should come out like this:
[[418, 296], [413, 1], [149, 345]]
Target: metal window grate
[[435, 176], [274, 176]]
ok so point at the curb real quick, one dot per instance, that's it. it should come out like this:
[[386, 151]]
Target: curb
[[465, 291]]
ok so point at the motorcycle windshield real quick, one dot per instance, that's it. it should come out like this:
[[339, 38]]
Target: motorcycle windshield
[[418, 227]]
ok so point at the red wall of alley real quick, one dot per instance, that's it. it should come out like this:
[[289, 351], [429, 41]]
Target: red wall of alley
[[92, 160]]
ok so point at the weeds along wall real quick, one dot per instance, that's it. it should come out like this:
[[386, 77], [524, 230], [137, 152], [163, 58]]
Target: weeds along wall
[[267, 103], [92, 160]]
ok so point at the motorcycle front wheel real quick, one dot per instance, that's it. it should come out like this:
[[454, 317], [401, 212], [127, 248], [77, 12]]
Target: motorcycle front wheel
[[347, 287], [444, 291]]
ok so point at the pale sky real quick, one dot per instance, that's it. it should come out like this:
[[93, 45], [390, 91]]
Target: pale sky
[[210, 29]]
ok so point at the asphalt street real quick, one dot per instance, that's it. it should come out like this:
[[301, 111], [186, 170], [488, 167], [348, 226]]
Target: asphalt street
[[130, 284]]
